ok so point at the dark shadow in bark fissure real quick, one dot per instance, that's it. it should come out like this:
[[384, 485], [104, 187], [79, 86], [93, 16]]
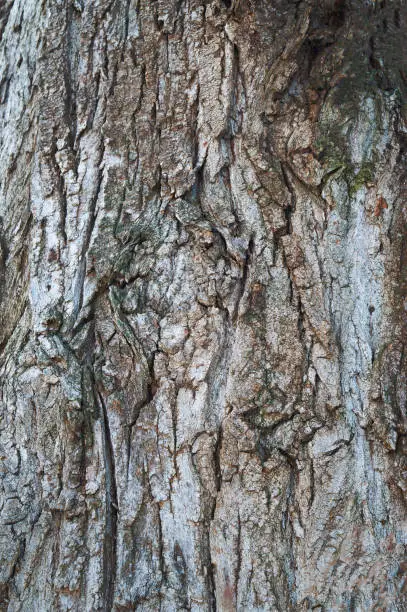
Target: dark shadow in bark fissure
[[243, 282], [182, 571], [5, 8], [109, 545]]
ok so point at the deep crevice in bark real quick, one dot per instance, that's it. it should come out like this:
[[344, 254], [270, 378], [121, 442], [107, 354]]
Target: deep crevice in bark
[[110, 535]]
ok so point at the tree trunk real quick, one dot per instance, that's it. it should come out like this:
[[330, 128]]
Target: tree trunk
[[203, 305]]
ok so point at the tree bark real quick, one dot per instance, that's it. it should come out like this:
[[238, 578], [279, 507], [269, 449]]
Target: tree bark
[[203, 305]]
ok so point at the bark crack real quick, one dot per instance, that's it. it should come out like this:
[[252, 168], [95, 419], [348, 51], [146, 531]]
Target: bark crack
[[110, 536]]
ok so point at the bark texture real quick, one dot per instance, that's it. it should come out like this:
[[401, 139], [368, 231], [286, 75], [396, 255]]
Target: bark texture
[[203, 305]]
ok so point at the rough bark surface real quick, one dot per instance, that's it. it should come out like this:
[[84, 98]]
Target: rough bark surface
[[203, 305]]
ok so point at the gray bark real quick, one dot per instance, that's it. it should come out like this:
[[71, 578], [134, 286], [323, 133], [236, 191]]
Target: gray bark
[[203, 305]]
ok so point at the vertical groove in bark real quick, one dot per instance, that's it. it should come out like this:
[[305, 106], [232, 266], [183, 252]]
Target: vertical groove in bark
[[110, 537]]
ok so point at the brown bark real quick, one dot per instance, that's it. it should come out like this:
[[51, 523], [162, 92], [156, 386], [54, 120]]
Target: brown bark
[[203, 305]]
